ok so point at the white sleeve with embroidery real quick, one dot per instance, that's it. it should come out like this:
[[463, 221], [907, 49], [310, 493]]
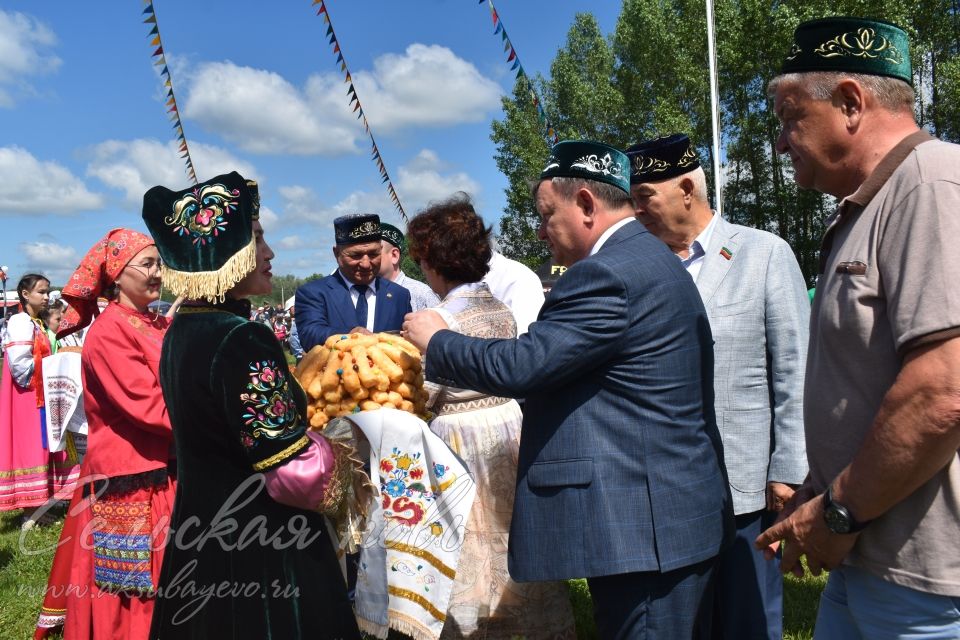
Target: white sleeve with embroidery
[[18, 347]]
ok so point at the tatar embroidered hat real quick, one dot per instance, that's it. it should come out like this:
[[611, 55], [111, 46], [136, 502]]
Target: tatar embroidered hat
[[853, 45], [393, 235], [355, 228], [590, 160], [661, 159], [204, 234]]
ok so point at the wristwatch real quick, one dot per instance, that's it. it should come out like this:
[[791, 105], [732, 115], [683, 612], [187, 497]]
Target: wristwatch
[[838, 517]]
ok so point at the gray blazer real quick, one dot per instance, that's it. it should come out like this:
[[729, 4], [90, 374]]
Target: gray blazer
[[760, 314], [620, 466]]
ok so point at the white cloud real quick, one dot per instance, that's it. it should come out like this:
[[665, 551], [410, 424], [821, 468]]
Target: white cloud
[[420, 181], [133, 166], [268, 218], [55, 261], [23, 52], [262, 112], [426, 86], [30, 185]]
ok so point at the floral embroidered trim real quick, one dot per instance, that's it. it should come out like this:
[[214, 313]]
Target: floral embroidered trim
[[282, 455], [202, 212], [270, 411], [688, 158], [643, 164], [551, 164], [448, 571], [794, 51], [420, 600], [593, 164], [862, 43], [404, 496]]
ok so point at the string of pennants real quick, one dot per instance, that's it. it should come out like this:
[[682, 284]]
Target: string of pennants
[[550, 133], [171, 104], [358, 108]]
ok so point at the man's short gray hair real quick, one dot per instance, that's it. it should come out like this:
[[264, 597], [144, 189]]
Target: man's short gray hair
[[613, 197], [893, 94], [699, 179]]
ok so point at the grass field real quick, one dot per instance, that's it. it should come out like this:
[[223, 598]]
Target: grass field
[[23, 577]]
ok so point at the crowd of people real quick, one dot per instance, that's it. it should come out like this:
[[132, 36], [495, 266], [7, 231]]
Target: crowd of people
[[672, 422]]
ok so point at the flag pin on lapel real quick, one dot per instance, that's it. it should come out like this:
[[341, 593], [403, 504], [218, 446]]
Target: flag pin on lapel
[[725, 253]]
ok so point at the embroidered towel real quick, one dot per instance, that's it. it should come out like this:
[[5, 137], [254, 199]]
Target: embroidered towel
[[63, 390], [414, 531]]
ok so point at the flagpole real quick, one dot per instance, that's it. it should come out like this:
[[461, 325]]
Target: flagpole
[[714, 110]]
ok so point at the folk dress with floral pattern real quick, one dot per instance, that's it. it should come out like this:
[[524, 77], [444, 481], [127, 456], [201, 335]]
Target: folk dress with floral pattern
[[244, 457]]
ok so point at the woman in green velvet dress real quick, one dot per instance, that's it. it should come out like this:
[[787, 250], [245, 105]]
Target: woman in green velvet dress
[[249, 555]]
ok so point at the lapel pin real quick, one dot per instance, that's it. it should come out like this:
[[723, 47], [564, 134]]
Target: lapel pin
[[389, 295], [725, 253]]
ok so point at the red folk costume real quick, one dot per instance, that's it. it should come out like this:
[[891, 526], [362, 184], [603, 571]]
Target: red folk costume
[[112, 564]]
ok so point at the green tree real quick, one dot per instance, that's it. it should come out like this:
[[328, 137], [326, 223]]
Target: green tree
[[649, 78]]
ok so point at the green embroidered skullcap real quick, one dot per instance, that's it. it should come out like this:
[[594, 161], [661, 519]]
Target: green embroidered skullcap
[[590, 160], [852, 45], [204, 235], [355, 228], [393, 235], [661, 159]]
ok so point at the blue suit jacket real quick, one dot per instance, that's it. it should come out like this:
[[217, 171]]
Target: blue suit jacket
[[621, 465], [324, 307]]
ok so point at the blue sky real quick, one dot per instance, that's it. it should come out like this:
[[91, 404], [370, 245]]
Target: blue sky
[[83, 131]]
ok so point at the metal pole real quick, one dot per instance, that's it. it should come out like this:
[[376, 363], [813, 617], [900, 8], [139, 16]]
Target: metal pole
[[714, 109], [3, 279]]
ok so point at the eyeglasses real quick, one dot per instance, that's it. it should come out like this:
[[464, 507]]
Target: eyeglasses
[[147, 267]]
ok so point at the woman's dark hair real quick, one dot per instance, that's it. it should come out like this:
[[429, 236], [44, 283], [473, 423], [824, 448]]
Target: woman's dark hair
[[452, 239], [27, 283]]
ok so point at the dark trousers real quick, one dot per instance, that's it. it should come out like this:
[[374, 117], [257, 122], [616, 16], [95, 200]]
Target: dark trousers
[[674, 605], [748, 600]]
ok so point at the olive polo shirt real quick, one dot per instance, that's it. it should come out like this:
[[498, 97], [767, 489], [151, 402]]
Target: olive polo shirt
[[889, 282]]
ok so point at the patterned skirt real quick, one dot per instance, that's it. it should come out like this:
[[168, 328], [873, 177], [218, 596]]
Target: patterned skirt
[[29, 474], [116, 562], [486, 603]]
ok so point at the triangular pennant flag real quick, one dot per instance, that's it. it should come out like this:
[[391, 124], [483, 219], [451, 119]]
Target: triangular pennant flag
[[350, 89], [155, 42], [498, 29], [153, 31], [493, 13], [149, 9], [171, 101], [515, 64], [520, 73], [513, 54], [323, 8], [329, 30], [339, 57], [358, 103], [506, 45], [503, 35], [151, 20], [326, 18], [349, 78], [158, 52], [333, 38]]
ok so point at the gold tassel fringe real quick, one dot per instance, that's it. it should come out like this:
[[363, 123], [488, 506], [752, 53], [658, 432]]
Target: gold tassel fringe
[[212, 286]]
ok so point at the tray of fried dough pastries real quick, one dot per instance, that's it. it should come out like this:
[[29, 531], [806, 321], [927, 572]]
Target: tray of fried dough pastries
[[357, 372]]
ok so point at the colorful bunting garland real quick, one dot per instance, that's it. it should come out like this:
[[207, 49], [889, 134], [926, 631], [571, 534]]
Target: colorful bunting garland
[[352, 92], [550, 133], [171, 104]]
